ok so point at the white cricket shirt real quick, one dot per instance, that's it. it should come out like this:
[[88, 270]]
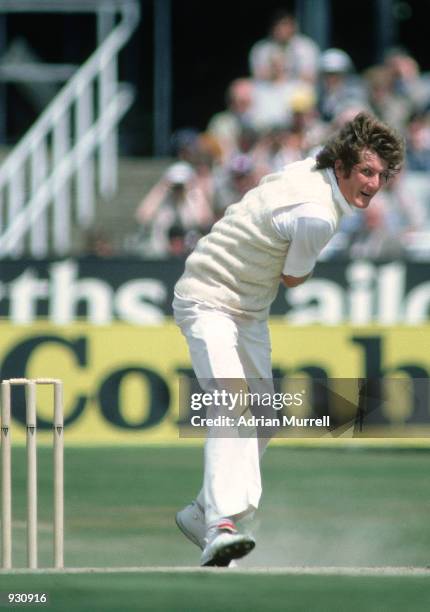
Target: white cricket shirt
[[308, 227]]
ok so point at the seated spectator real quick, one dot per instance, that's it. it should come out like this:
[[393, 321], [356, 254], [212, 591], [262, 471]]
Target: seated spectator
[[248, 138], [339, 87], [273, 97], [232, 181], [406, 79], [306, 122], [207, 156], [184, 144], [383, 100], [277, 148], [227, 125], [386, 224], [418, 143], [98, 244], [300, 53], [174, 214]]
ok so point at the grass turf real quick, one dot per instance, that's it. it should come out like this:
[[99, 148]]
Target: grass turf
[[320, 507], [212, 593]]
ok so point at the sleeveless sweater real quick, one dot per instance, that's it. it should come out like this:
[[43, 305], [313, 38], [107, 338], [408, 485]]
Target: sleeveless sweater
[[237, 266]]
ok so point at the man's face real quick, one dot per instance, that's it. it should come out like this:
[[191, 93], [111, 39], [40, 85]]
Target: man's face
[[365, 180], [283, 30]]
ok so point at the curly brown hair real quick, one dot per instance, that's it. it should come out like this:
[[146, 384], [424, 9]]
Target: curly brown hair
[[364, 132]]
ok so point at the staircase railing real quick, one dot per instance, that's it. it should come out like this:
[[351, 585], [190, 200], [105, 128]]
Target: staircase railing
[[52, 177]]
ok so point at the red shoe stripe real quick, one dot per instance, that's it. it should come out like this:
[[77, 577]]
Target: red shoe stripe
[[226, 524]]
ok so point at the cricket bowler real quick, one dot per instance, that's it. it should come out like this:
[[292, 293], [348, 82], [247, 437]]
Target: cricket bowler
[[222, 301]]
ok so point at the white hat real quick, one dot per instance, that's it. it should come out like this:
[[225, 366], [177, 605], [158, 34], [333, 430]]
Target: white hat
[[335, 60], [179, 173]]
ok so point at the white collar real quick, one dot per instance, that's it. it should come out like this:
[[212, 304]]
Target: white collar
[[345, 206]]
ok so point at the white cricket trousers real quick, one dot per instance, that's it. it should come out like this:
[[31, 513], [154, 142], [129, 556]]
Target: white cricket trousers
[[223, 346]]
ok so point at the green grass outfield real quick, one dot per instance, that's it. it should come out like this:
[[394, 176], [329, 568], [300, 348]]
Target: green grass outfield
[[321, 508]]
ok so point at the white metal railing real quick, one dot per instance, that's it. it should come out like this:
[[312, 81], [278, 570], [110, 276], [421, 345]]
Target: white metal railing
[[69, 154]]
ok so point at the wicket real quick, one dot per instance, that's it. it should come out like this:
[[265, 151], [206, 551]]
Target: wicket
[[31, 443]]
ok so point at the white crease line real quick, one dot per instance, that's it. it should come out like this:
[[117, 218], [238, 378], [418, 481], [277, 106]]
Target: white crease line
[[250, 571]]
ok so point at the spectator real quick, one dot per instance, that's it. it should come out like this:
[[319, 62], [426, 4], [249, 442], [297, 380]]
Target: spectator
[[386, 224], [277, 148], [339, 88], [174, 214], [405, 78], [273, 96], [300, 53], [206, 157], [248, 140], [306, 121], [227, 125], [184, 144], [98, 244], [383, 100], [303, 133], [233, 181], [418, 143]]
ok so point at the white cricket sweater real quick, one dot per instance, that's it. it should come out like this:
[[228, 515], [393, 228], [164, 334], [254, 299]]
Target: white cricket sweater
[[237, 266]]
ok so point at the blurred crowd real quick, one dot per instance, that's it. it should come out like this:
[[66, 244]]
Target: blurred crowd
[[294, 97]]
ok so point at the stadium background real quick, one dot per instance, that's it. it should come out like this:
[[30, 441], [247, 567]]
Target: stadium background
[[216, 42], [342, 504]]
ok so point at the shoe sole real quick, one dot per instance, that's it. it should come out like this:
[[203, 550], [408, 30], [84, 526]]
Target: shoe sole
[[187, 533], [230, 552]]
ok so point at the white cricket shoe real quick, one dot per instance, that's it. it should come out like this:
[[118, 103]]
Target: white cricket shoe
[[224, 544], [191, 521]]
